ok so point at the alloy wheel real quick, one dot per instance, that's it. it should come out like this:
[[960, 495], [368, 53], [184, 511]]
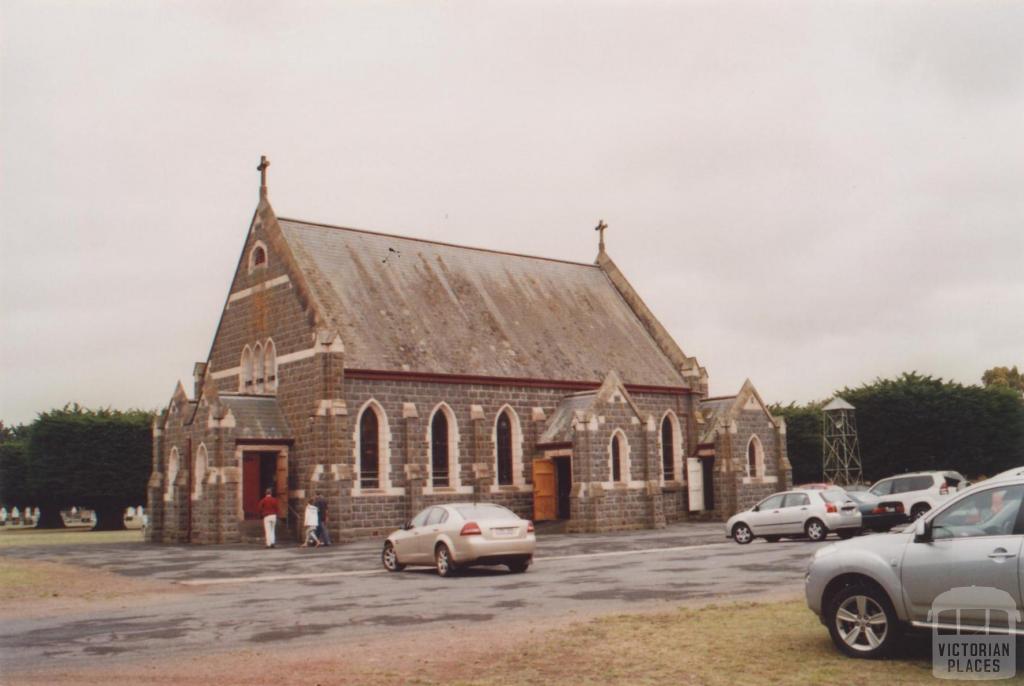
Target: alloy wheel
[[815, 531], [861, 623]]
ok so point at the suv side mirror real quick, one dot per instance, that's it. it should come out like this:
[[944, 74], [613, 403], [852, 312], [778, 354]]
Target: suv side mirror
[[407, 525], [755, 508], [922, 531]]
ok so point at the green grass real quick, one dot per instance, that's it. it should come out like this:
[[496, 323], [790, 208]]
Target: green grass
[[36, 537]]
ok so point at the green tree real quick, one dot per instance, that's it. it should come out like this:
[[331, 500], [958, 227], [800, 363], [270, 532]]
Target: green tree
[[93, 458], [14, 469], [1005, 377], [803, 439], [916, 422]]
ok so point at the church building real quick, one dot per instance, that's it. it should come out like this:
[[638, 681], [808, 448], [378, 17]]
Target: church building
[[389, 373]]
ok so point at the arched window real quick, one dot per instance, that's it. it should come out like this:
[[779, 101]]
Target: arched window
[[503, 438], [245, 372], [369, 449], [668, 458], [173, 465], [270, 367], [257, 359], [755, 457], [616, 458], [439, 450], [202, 460], [257, 257]]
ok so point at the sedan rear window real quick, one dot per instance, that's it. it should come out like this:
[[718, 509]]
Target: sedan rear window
[[485, 511]]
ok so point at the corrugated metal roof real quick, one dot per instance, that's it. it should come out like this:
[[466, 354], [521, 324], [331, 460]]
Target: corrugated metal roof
[[837, 403], [257, 417], [403, 304]]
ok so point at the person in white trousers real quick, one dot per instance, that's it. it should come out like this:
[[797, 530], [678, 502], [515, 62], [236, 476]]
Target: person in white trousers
[[268, 510]]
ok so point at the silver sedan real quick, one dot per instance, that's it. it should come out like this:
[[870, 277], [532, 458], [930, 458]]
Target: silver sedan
[[457, 535]]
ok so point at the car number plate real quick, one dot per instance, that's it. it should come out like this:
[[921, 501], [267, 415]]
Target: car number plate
[[504, 533]]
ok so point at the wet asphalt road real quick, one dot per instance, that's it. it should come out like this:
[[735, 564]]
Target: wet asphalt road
[[341, 593]]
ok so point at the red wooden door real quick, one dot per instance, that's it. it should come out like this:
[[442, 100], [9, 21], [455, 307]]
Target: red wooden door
[[251, 486]]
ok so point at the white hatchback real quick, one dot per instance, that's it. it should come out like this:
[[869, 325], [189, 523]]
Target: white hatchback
[[809, 512]]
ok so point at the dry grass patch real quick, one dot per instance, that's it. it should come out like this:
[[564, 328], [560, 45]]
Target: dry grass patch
[[749, 643], [33, 537], [35, 588]]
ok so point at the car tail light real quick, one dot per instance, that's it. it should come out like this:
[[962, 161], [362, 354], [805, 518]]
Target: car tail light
[[878, 510], [529, 527], [944, 489], [470, 529], [831, 507]]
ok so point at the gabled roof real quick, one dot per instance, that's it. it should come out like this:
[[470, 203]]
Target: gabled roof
[[581, 406], [718, 412], [404, 304], [256, 416]]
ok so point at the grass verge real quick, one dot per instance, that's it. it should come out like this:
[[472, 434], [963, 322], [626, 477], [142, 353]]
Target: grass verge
[[34, 537], [748, 643]]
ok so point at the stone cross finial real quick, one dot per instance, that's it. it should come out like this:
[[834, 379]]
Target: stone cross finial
[[601, 226], [264, 163]]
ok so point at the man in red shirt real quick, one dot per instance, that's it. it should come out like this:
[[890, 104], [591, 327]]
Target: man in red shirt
[[268, 510]]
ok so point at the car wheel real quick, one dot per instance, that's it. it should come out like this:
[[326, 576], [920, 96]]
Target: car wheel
[[815, 530], [443, 561], [519, 566], [847, 533], [773, 539], [862, 621], [742, 534], [390, 558], [917, 511]]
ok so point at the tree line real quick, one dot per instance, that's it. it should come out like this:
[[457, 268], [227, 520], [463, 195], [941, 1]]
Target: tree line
[[916, 422], [99, 459]]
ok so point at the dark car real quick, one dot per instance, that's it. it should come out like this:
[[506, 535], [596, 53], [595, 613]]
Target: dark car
[[879, 515]]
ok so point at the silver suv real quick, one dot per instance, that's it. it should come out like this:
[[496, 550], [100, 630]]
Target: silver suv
[[866, 590]]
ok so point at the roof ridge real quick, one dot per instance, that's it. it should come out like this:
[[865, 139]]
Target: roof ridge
[[433, 242]]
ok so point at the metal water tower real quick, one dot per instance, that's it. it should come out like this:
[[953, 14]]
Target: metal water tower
[[841, 449]]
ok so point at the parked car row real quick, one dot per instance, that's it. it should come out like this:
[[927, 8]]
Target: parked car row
[[815, 510]]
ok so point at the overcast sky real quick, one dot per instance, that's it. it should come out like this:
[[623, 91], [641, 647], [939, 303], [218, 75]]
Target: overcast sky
[[809, 194]]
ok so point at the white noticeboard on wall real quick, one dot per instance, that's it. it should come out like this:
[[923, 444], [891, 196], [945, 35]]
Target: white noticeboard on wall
[[695, 479]]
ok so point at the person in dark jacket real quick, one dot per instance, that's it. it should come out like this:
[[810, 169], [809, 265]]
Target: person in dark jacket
[[321, 529]]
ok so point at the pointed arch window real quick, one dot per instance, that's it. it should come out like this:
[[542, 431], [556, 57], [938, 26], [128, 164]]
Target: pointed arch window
[[270, 367], [616, 458], [504, 446], [257, 257], [755, 457], [202, 462], [257, 360], [369, 449], [668, 458], [245, 375], [440, 455]]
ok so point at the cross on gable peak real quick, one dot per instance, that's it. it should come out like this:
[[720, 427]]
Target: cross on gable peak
[[600, 228], [262, 169]]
